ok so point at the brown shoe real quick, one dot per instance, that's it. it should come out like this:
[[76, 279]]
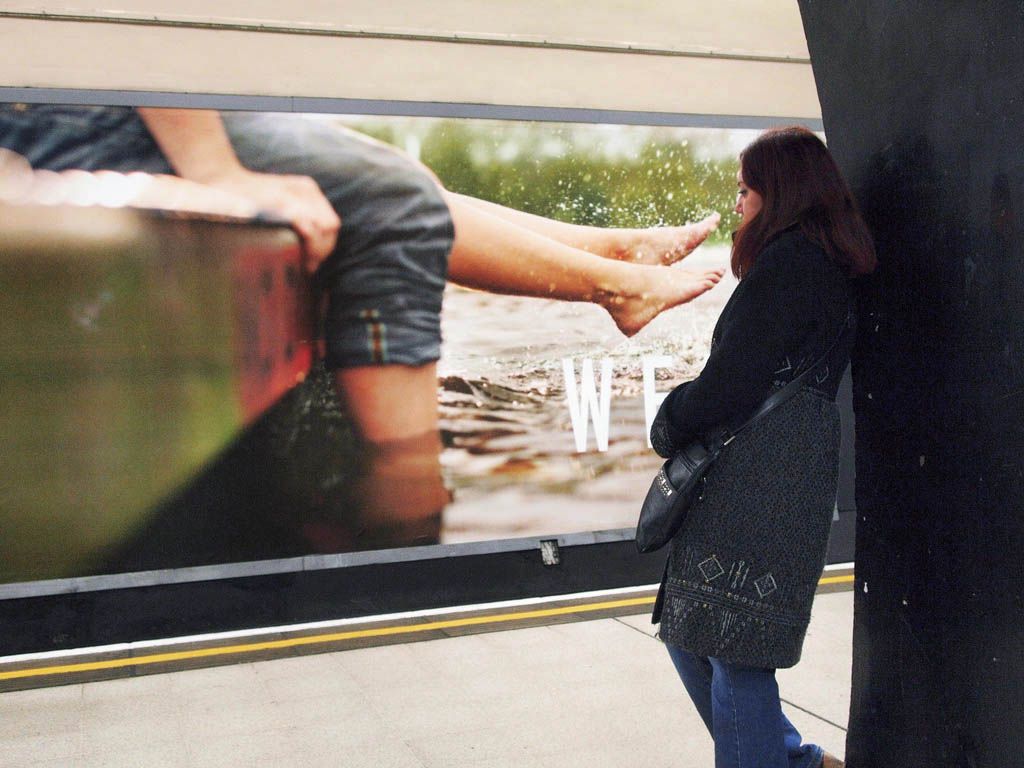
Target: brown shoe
[[830, 761]]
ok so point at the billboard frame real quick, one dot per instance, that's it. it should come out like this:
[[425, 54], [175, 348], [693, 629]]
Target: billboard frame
[[501, 549]]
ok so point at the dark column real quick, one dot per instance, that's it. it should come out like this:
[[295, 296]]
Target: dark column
[[923, 104]]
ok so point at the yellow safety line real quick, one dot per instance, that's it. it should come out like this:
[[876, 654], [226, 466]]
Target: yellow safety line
[[228, 650], [847, 579], [328, 638]]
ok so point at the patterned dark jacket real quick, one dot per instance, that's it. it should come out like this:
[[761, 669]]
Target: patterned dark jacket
[[743, 569]]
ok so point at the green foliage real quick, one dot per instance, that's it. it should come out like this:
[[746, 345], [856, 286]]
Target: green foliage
[[542, 169]]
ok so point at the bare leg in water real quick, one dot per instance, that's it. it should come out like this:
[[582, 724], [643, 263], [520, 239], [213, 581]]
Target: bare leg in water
[[399, 485]]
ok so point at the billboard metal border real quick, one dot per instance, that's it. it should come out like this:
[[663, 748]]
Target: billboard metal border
[[308, 105], [155, 578]]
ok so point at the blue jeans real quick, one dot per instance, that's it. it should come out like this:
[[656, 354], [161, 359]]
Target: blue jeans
[[740, 707]]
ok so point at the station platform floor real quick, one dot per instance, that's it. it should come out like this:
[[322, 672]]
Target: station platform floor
[[592, 693]]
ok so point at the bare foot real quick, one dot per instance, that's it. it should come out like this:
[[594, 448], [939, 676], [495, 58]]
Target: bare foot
[[656, 290], [661, 246]]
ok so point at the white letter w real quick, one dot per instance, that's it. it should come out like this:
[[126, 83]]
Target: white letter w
[[585, 406]]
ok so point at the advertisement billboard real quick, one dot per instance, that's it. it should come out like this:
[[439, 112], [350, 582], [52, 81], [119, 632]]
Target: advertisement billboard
[[550, 366]]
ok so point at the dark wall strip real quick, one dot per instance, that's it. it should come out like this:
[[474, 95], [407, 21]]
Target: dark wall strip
[[922, 105]]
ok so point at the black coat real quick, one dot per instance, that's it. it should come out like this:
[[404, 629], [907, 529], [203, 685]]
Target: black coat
[[743, 569]]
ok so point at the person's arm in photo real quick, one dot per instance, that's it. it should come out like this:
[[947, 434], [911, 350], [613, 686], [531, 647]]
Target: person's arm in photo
[[197, 147]]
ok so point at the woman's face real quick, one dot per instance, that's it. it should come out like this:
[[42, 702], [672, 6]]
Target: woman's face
[[748, 202]]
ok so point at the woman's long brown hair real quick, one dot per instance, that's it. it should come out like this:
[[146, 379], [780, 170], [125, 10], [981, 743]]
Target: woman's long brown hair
[[800, 185]]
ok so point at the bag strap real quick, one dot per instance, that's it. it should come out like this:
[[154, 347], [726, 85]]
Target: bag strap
[[788, 391]]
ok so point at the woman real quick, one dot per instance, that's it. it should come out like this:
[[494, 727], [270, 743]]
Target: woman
[[736, 598]]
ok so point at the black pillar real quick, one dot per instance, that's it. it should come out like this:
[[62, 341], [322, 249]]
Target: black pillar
[[923, 105]]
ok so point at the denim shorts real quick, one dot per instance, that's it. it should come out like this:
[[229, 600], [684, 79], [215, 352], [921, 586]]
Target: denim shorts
[[385, 279]]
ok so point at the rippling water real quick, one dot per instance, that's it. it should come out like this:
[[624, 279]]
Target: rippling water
[[510, 457]]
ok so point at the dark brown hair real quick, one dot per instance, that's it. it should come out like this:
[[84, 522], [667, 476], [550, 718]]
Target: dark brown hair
[[800, 185]]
